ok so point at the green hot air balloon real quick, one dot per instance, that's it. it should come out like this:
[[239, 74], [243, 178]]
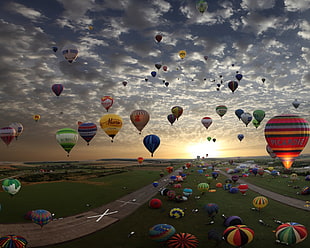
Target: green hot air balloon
[[67, 138], [259, 115], [12, 186]]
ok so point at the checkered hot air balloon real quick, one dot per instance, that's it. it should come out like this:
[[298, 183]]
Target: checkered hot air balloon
[[41, 217], [183, 240], [238, 235], [13, 241], [260, 202], [287, 135], [291, 233]]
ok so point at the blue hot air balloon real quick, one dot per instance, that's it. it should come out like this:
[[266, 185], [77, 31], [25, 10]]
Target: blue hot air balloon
[[151, 142], [238, 113], [87, 131], [153, 73]]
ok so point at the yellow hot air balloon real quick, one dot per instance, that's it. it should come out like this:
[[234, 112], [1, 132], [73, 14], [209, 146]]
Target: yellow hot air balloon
[[111, 124], [139, 118], [36, 117], [182, 54]]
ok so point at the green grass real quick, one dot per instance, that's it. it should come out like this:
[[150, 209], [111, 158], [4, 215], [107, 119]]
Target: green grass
[[116, 235], [69, 198]]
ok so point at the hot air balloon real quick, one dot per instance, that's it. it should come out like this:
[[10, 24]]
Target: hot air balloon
[[165, 68], [111, 124], [158, 66], [140, 160], [41, 217], [18, 128], [36, 117], [259, 115], [238, 113], [11, 186], [153, 73], [158, 38], [139, 119], [240, 137], [255, 123], [7, 134], [296, 103], [291, 233], [287, 135], [206, 121], [233, 85], [201, 6], [107, 102], [205, 57], [70, 53], [176, 213], [263, 80], [87, 131], [151, 142], [13, 241], [125, 83], [246, 118], [243, 188], [239, 76], [182, 240], [55, 49], [57, 89], [232, 220], [182, 54], [203, 187], [238, 235], [177, 111], [67, 138], [260, 202], [270, 152], [171, 118], [161, 232], [212, 209], [209, 138], [221, 110]]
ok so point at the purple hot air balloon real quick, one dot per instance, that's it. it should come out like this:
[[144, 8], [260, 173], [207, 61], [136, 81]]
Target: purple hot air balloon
[[57, 89]]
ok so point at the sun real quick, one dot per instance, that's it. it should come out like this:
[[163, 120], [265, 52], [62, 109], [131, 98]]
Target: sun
[[204, 149]]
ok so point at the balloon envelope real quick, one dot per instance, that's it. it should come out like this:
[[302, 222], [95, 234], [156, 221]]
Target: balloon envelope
[[206, 121], [87, 131], [111, 124], [171, 118], [151, 142], [177, 111], [259, 115], [67, 138], [291, 233], [11, 186], [201, 6], [260, 202], [161, 232], [296, 103], [70, 53], [158, 38], [238, 235], [36, 117], [18, 128], [139, 118], [221, 110], [7, 134], [182, 54], [287, 135], [41, 217], [57, 89], [233, 85], [240, 137], [238, 113], [13, 241], [107, 102], [246, 118]]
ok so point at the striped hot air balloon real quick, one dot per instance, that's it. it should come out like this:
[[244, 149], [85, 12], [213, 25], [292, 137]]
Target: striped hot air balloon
[[238, 235], [260, 202], [161, 232], [203, 187], [67, 138], [183, 240], [287, 135], [291, 233], [87, 131], [13, 241], [221, 110]]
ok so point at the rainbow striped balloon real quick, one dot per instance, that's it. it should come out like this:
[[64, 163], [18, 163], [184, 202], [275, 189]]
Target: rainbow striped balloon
[[287, 135], [11, 241], [238, 235], [291, 233]]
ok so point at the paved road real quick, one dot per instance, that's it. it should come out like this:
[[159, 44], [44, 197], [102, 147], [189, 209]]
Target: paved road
[[272, 195], [79, 225]]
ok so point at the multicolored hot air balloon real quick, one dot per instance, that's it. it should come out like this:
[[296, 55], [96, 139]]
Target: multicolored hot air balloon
[[206, 122], [11, 186], [212, 209], [13, 241], [151, 142], [140, 160], [233, 85], [107, 102], [161, 232], [19, 128], [201, 6], [182, 240], [87, 131], [70, 53], [36, 117], [57, 89], [67, 138], [238, 235], [287, 135], [182, 54], [221, 110], [171, 118], [139, 119], [41, 217], [7, 134], [111, 124], [291, 233], [260, 202], [177, 111], [203, 187], [176, 213]]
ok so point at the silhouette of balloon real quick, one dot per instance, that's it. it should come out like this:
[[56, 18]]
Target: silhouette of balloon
[[287, 135]]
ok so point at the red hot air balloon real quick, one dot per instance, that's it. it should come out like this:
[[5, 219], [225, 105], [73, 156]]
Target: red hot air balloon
[[287, 135], [206, 121], [7, 134], [107, 102], [243, 188], [233, 85], [140, 160]]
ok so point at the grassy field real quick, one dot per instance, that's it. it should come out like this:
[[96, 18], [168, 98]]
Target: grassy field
[[67, 198]]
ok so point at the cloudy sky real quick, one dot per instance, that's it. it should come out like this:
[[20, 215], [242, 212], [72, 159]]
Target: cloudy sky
[[259, 39]]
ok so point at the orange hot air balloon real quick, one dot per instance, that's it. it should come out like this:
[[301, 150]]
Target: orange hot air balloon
[[107, 102], [140, 160], [287, 135], [177, 111], [139, 119], [36, 117]]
